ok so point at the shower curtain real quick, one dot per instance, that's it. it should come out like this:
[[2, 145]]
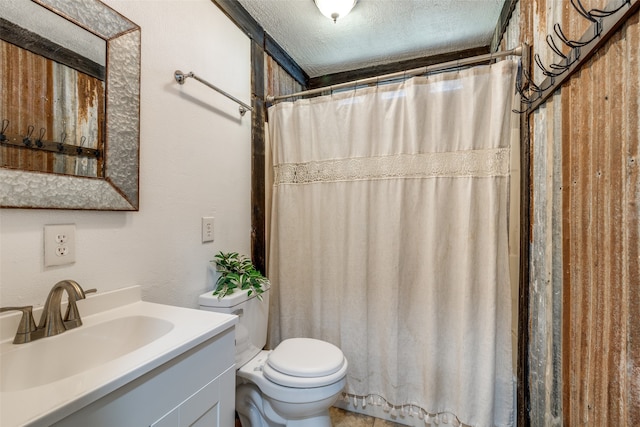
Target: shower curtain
[[389, 238]]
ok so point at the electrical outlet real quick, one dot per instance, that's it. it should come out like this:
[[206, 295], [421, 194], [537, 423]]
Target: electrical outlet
[[62, 251], [59, 244], [207, 229]]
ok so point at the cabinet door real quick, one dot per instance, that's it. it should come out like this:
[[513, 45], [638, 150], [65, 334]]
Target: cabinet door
[[211, 406], [202, 408], [198, 384], [172, 419]]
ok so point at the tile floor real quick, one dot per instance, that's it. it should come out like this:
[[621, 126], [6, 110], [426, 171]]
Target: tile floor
[[341, 418]]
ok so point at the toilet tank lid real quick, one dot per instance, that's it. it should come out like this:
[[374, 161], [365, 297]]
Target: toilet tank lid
[[306, 357], [238, 297]]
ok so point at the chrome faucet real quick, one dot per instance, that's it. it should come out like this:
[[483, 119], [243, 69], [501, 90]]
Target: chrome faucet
[[51, 321]]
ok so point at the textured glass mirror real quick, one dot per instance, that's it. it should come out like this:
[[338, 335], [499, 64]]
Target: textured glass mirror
[[118, 188]]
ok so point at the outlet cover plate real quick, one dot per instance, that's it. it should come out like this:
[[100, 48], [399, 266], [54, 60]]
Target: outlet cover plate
[[59, 244]]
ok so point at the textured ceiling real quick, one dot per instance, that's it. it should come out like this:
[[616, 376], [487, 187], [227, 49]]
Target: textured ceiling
[[376, 31]]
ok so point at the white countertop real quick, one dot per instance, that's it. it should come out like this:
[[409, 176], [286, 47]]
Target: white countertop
[[45, 404]]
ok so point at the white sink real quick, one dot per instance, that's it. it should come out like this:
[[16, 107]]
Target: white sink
[[48, 360], [121, 339]]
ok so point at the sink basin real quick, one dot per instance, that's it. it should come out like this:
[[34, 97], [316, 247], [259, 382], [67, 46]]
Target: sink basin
[[51, 359], [122, 339]]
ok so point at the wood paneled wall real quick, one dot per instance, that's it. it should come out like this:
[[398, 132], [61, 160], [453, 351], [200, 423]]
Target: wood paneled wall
[[584, 326], [277, 81], [268, 78]]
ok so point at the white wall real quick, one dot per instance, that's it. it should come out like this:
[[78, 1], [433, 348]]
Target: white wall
[[195, 161]]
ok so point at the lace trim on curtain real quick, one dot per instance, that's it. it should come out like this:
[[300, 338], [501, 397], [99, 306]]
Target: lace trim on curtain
[[403, 411], [476, 163]]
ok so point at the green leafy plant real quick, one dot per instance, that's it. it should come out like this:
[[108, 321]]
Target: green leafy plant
[[237, 272]]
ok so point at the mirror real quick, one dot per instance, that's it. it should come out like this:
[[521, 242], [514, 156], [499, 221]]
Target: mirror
[[117, 188], [52, 76]]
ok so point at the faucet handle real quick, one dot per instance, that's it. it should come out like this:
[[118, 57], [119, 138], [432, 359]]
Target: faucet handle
[[26, 325], [72, 316]]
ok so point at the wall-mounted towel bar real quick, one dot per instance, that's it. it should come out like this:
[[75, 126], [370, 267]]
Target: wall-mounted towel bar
[[181, 77]]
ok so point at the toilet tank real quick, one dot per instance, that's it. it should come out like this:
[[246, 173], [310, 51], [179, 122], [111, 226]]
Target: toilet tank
[[253, 314]]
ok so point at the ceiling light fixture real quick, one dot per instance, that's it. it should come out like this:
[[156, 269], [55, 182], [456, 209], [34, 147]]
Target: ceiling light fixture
[[334, 9]]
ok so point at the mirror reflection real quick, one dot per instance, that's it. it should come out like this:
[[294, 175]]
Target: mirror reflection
[[52, 103]]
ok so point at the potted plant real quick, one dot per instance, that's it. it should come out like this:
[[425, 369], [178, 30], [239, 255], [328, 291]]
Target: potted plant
[[237, 272]]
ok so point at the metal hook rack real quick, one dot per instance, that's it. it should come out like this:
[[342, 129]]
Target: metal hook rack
[[604, 22], [181, 77], [60, 147]]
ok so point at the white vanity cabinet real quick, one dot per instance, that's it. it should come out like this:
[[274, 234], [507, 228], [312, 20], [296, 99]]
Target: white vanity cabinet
[[196, 388]]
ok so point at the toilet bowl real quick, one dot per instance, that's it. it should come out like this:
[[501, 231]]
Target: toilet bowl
[[292, 385]]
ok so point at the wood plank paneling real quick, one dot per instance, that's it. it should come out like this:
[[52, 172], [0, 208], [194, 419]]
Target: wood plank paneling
[[277, 80], [258, 230], [268, 77], [597, 114]]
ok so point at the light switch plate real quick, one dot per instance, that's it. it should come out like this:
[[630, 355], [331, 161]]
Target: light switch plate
[[207, 229]]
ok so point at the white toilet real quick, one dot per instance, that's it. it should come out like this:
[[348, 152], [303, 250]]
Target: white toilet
[[292, 385]]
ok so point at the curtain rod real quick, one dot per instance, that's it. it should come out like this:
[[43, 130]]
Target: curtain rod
[[181, 77], [409, 73]]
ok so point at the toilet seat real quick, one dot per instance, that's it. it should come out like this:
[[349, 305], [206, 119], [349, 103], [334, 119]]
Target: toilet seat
[[305, 363], [253, 373]]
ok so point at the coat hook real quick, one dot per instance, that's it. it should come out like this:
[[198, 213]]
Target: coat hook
[[552, 44], [546, 72], [593, 14], [27, 139], [577, 5], [5, 125], [39, 140], [573, 43]]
